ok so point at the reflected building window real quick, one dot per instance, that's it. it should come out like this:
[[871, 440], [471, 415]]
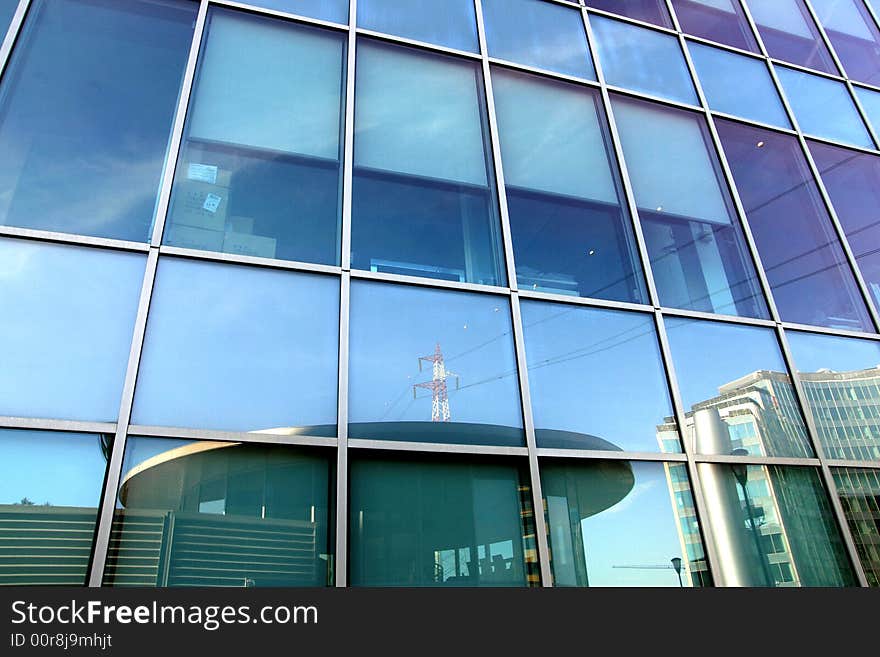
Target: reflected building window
[[481, 530], [773, 526], [185, 509], [571, 233], [50, 486], [260, 170], [87, 105], [736, 390], [697, 250], [423, 198], [802, 257], [859, 493], [622, 523]]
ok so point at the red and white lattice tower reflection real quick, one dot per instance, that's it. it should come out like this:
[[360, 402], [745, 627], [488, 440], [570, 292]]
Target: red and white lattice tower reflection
[[437, 386]]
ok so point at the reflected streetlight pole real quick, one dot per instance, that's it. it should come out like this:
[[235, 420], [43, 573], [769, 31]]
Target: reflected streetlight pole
[[741, 473], [676, 565]]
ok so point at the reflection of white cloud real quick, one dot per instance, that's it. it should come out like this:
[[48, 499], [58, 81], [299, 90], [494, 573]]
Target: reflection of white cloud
[[15, 261], [637, 491]]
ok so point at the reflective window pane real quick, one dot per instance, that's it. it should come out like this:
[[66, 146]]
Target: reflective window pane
[[788, 33], [804, 261], [852, 180], [718, 20], [854, 35], [65, 330], [481, 529], [650, 11], [429, 376], [240, 349], [753, 97], [423, 199], [50, 486], [643, 60], [736, 390], [823, 107], [327, 10], [573, 407], [622, 523], [773, 526], [186, 510], [539, 34], [7, 11], [259, 173], [571, 233], [870, 102], [86, 109], [698, 253], [841, 379], [454, 24], [859, 493]]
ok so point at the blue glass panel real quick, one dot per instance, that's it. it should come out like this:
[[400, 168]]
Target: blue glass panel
[[699, 257], [854, 35], [754, 96], [7, 11], [440, 522], [574, 408], [643, 60], [421, 375], [805, 264], [823, 107], [870, 102], [423, 201], [540, 34], [788, 32], [86, 108], [240, 349], [326, 10], [717, 20], [622, 523], [65, 330], [259, 173], [852, 180], [454, 24], [571, 233], [736, 390], [841, 381], [650, 11], [222, 514], [50, 486]]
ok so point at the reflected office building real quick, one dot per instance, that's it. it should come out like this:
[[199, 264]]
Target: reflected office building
[[471, 293]]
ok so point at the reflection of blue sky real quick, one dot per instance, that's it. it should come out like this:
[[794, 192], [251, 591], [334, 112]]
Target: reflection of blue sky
[[812, 352], [64, 469], [596, 372], [393, 325], [238, 348], [708, 355], [327, 10], [66, 327], [640, 530]]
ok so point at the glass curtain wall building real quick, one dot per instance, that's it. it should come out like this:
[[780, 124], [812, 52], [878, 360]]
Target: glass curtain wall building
[[383, 293]]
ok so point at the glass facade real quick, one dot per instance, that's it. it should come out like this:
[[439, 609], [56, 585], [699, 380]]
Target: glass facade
[[502, 293]]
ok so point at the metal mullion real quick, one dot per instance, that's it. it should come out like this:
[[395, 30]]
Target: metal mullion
[[69, 238], [610, 455], [250, 437], [630, 20], [858, 84], [12, 33], [727, 459], [872, 12], [428, 282], [415, 43], [753, 26], [867, 299], [177, 129], [342, 468], [700, 507], [807, 69], [435, 448], [751, 244], [52, 424], [715, 317], [625, 183], [841, 144], [723, 46], [348, 137], [107, 506], [751, 122], [660, 100], [592, 302], [233, 258], [543, 72], [277, 13], [845, 463], [495, 144], [830, 331], [827, 476], [541, 535]]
